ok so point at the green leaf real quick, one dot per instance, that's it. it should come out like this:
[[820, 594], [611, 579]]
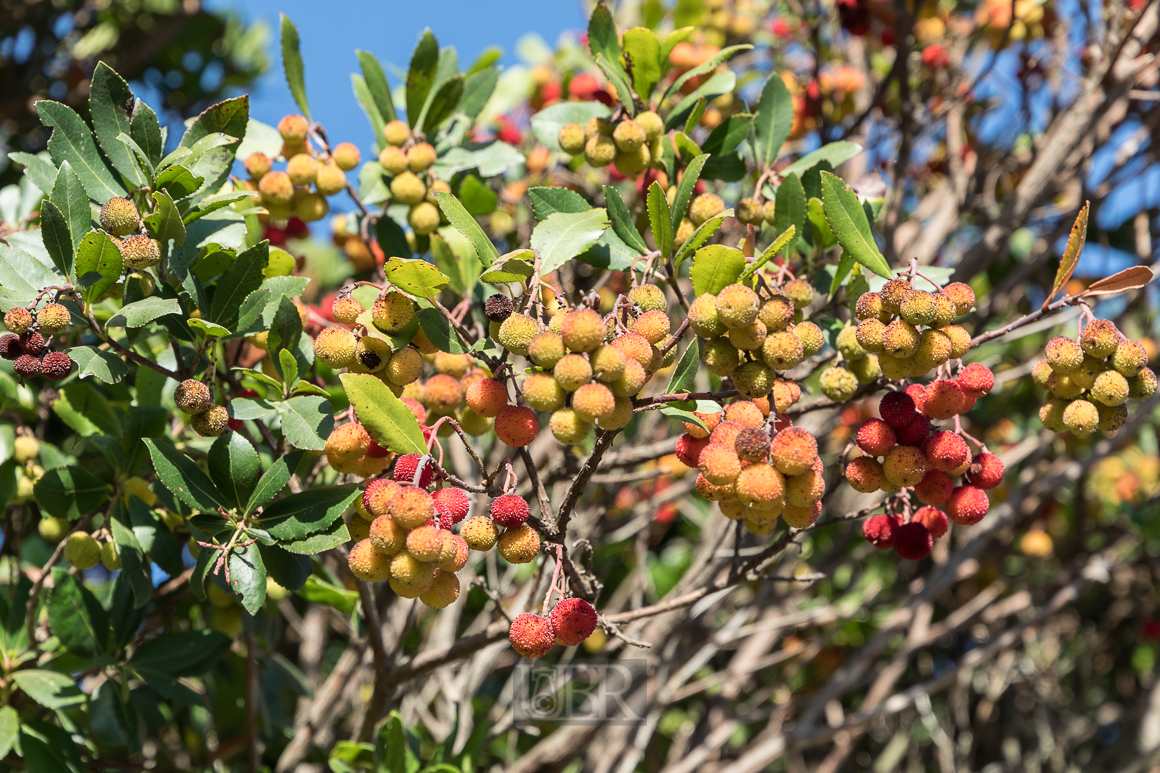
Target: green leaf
[[718, 84], [378, 88], [9, 729], [231, 117], [154, 537], [111, 106], [421, 75], [707, 66], [307, 421], [661, 218], [328, 539], [455, 257], [70, 492], [477, 197], [366, 101], [180, 653], [848, 222], [602, 37], [69, 196], [463, 222], [86, 411], [845, 266], [622, 222], [72, 141], [179, 474], [100, 363], [490, 158], [700, 235], [299, 515], [773, 120], [234, 467], [565, 235], [48, 688], [728, 135], [391, 743], [777, 245], [39, 169], [285, 334], [619, 80], [57, 238], [143, 312], [643, 50], [209, 329], [289, 570], [477, 91], [441, 332], [318, 592], [680, 414], [179, 182], [686, 369], [685, 188], [145, 164], [386, 419], [715, 267], [243, 278], [515, 266], [75, 616], [146, 131], [417, 277], [834, 154], [273, 480], [49, 749], [292, 64], [165, 223], [547, 123], [248, 576], [790, 208], [98, 265], [547, 201], [443, 104], [112, 721]]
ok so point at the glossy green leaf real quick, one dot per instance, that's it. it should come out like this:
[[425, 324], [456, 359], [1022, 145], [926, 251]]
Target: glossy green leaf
[[111, 107], [70, 492], [378, 87], [143, 312], [75, 616], [719, 83], [773, 120], [685, 187], [319, 542], [98, 265], [660, 217], [9, 729], [307, 421], [848, 222], [643, 51], [440, 331], [834, 154], [292, 64], [290, 570], [299, 515], [234, 467], [421, 75], [442, 104], [70, 197], [101, 364], [728, 135], [57, 238], [622, 222], [248, 576], [463, 222], [145, 130], [515, 266], [180, 475], [50, 689], [386, 419], [242, 279], [179, 182], [686, 370], [790, 208], [700, 235], [273, 480], [39, 169], [317, 591], [180, 653], [715, 267], [417, 277], [565, 235], [778, 244], [72, 141]]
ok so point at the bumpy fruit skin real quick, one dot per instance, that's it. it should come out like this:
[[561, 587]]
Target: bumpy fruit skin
[[866, 370], [1064, 354], [917, 307], [962, 295], [487, 397], [793, 451], [629, 135], [368, 564], [568, 427], [745, 413], [892, 294], [335, 347], [761, 486], [479, 532], [900, 339], [409, 573], [110, 559], [800, 292], [753, 380], [811, 337], [52, 529], [392, 312], [462, 552], [967, 505], [737, 306], [935, 488], [1142, 385], [868, 306], [498, 307], [293, 129], [582, 330], [573, 621], [653, 325], [26, 366], [1081, 417], [408, 189], [751, 445], [519, 545], [410, 508], [1051, 415], [750, 211], [801, 517], [776, 313], [387, 536], [212, 422], [415, 469], [943, 400], [1110, 388], [404, 367], [946, 451], [423, 218], [516, 426], [25, 448], [719, 463], [847, 344], [443, 393], [705, 207], [804, 490], [875, 437], [986, 471], [55, 366], [608, 364], [934, 519], [1099, 338], [648, 298], [396, 133], [689, 449], [1111, 419], [572, 139], [257, 165], [18, 320], [593, 402], [838, 384], [960, 340], [82, 550], [347, 442], [54, 318], [977, 377], [139, 251], [703, 317], [426, 543], [119, 217], [443, 592], [10, 347], [542, 392], [945, 311], [516, 333], [913, 541], [879, 530], [1128, 359], [864, 474], [509, 511], [782, 351], [546, 349], [531, 635], [452, 502], [600, 150], [720, 357], [904, 466]]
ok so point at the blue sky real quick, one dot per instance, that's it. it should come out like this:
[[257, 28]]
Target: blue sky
[[331, 32]]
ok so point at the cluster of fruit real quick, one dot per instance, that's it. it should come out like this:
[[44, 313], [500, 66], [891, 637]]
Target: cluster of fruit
[[910, 331], [195, 398], [904, 451], [587, 368], [406, 534], [632, 145], [287, 193], [26, 345], [25, 452], [404, 159], [350, 451], [1090, 381], [754, 468], [569, 623], [747, 339]]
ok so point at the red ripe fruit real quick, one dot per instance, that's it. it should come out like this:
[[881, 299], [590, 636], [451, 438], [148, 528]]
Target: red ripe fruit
[[944, 399], [10, 347], [986, 471], [689, 449], [26, 366], [913, 541], [531, 635], [510, 511], [977, 377], [933, 519], [375, 451], [446, 521], [452, 502], [407, 465], [917, 393], [416, 408], [516, 426], [573, 621], [967, 505], [915, 433], [879, 529], [875, 437], [945, 451], [57, 365], [935, 488], [897, 409]]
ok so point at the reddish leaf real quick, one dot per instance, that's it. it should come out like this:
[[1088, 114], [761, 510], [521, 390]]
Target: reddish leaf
[[1129, 279], [1070, 257]]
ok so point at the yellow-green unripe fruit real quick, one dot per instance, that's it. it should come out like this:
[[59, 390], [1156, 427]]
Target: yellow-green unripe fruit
[[144, 282], [838, 384], [632, 381], [542, 392], [749, 337], [1128, 359], [1051, 414], [82, 550], [1111, 418], [753, 380], [25, 489], [568, 427], [293, 129], [776, 313], [608, 363], [720, 357], [371, 355], [868, 306], [866, 370], [769, 211], [54, 318], [257, 165], [1110, 388], [900, 339], [892, 294], [1064, 354], [192, 396], [582, 330], [407, 188], [119, 217], [703, 317], [443, 592], [648, 298], [25, 448], [330, 179], [960, 340], [904, 466], [405, 366], [18, 320], [1085, 375], [302, 169], [782, 351], [109, 556], [572, 139], [811, 337], [705, 207], [516, 333], [1062, 386], [1041, 373], [421, 157], [800, 292], [140, 251], [310, 207], [519, 545], [396, 133], [600, 150], [368, 564], [847, 344], [479, 532], [411, 573], [629, 135], [426, 543], [620, 417], [631, 163], [1142, 385], [423, 218], [918, 307], [945, 311], [546, 349], [737, 306], [393, 160], [598, 126], [392, 312], [52, 529], [1099, 338], [276, 188], [211, 423], [346, 156], [1081, 417], [750, 211], [335, 347], [934, 348], [652, 124]]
